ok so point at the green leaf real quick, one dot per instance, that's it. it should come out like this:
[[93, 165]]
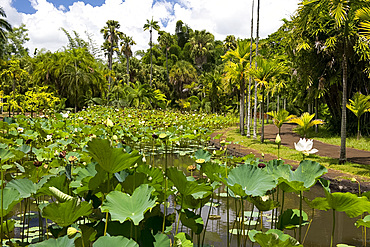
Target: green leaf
[[349, 203], [111, 159], [290, 219], [59, 242], [5, 155], [250, 180], [25, 187], [203, 154], [10, 199], [276, 238], [122, 206], [66, 213], [263, 205], [109, 241], [161, 240], [182, 240], [184, 186], [363, 222], [193, 221]]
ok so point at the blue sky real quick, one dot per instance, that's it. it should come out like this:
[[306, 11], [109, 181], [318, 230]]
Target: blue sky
[[45, 18]]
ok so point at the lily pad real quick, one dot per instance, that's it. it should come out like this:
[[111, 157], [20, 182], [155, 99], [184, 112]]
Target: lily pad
[[109, 241]]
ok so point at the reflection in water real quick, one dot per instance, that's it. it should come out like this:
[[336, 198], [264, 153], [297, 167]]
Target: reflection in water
[[319, 232]]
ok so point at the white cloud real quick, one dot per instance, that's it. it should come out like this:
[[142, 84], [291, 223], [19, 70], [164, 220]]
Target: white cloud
[[216, 16]]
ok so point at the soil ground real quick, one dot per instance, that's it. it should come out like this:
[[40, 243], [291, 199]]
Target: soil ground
[[337, 178]]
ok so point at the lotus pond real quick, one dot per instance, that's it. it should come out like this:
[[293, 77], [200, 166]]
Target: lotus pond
[[149, 178]]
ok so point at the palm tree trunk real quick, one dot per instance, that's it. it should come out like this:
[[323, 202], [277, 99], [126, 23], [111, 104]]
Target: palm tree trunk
[[168, 77], [267, 107], [151, 58], [263, 115], [250, 78], [110, 62], [316, 114], [278, 103], [255, 83], [128, 69], [242, 96], [343, 133]]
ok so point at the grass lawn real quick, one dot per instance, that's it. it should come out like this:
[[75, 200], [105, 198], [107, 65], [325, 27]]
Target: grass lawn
[[291, 154]]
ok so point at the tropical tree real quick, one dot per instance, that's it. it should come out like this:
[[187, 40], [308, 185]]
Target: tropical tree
[[266, 72], [165, 41], [126, 44], [305, 122], [236, 67], [4, 27], [255, 82], [359, 105], [280, 117], [202, 43], [150, 25], [182, 73], [143, 95], [182, 32], [341, 31], [111, 36], [229, 43], [250, 77]]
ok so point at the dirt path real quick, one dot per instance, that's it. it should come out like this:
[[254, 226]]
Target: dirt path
[[337, 178]]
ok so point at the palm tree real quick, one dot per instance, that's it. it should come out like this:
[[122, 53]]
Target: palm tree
[[236, 68], [250, 77], [229, 43], [341, 33], [4, 27], [359, 105], [182, 73], [202, 43], [126, 44], [305, 122], [150, 25], [255, 82], [111, 37], [165, 40], [267, 71], [280, 117]]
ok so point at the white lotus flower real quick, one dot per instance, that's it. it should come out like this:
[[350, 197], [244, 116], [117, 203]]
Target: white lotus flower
[[48, 137], [65, 115], [20, 129], [305, 146]]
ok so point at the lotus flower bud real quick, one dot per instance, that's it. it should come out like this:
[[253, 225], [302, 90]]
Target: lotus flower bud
[[278, 139], [71, 232], [109, 122]]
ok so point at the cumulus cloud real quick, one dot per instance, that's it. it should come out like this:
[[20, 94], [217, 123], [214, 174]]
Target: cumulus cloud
[[216, 16]]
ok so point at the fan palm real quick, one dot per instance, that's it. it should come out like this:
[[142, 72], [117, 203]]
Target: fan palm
[[126, 44], [359, 105], [165, 41], [305, 122], [266, 72], [280, 117], [4, 26], [150, 25], [202, 43], [182, 73]]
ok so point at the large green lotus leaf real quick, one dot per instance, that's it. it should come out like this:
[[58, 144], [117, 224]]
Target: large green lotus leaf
[[349, 203], [59, 182], [276, 238], [59, 242], [184, 186], [66, 213], [111, 159], [215, 172], [182, 240], [10, 199], [161, 240], [320, 203], [345, 245], [193, 221], [5, 155], [263, 205], [108, 241], [203, 154], [8, 226], [304, 177], [25, 187], [363, 222], [291, 218], [278, 169], [122, 206], [252, 180]]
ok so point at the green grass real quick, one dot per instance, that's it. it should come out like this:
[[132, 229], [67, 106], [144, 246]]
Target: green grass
[[291, 154]]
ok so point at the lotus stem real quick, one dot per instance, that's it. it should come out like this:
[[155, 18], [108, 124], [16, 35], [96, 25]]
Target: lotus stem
[[106, 223], [2, 201], [300, 216], [165, 189], [333, 230], [209, 212]]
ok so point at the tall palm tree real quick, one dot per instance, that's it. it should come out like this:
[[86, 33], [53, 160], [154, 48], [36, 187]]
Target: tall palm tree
[[150, 25], [255, 82], [4, 27], [182, 73], [267, 70], [202, 43], [342, 13], [126, 44], [111, 36], [250, 77], [237, 66], [229, 43], [165, 40]]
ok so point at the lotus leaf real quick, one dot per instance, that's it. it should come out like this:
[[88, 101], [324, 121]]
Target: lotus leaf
[[184, 186], [263, 205], [24, 186], [273, 237], [290, 219], [182, 240], [5, 155], [108, 241], [122, 206], [10, 199], [193, 221], [250, 180], [111, 159], [66, 213], [161, 240], [349, 203], [203, 154], [59, 242]]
